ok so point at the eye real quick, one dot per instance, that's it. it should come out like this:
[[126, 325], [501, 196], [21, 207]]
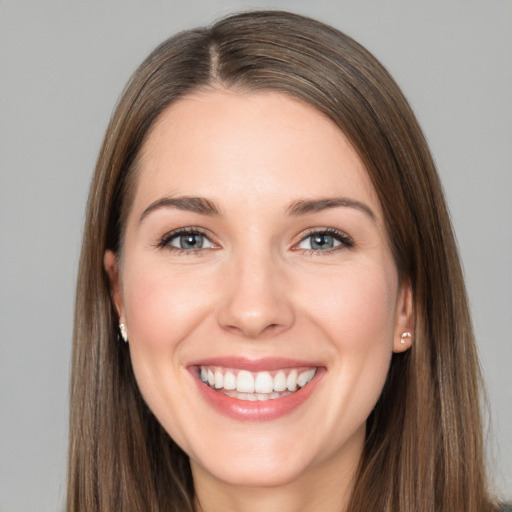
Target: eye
[[325, 241], [186, 240]]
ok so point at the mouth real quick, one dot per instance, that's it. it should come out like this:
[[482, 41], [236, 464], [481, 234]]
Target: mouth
[[256, 386], [247, 389]]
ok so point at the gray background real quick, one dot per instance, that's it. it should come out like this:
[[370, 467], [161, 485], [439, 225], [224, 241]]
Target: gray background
[[62, 67]]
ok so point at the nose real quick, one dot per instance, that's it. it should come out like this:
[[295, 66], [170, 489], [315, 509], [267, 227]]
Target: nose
[[255, 303]]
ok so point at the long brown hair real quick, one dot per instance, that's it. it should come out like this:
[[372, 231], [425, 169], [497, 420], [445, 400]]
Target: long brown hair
[[423, 449]]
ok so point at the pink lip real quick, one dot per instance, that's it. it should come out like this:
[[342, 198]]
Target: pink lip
[[254, 365], [244, 410]]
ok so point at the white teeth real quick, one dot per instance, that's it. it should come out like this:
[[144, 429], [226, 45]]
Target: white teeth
[[229, 381], [247, 385], [252, 397], [264, 383], [219, 379], [305, 377], [244, 382], [291, 381], [280, 381]]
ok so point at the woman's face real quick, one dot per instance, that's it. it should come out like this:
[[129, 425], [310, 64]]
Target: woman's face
[[257, 285]]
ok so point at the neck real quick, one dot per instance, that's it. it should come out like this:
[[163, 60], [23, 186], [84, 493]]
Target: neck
[[325, 487]]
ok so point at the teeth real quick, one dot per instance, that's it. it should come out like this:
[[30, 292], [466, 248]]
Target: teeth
[[229, 381], [256, 385], [305, 377], [264, 383], [291, 381], [252, 397], [280, 381], [219, 379], [244, 382]]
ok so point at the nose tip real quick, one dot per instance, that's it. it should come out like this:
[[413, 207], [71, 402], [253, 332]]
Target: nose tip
[[255, 304], [253, 325]]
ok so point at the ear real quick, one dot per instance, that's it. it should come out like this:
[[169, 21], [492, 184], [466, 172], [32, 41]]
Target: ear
[[404, 323], [111, 264]]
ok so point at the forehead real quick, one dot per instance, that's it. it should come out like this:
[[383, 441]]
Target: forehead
[[250, 147]]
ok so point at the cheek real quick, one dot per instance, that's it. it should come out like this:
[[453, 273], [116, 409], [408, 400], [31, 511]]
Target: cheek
[[355, 305], [162, 307], [356, 313]]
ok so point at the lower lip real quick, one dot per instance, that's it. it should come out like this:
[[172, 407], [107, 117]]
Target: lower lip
[[245, 410]]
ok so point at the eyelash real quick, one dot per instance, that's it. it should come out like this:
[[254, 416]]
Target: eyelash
[[165, 241], [344, 240]]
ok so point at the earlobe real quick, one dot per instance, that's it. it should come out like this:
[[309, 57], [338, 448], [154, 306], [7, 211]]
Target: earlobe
[[404, 325], [111, 264]]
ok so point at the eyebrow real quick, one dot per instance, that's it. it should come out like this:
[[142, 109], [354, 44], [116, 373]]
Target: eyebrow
[[305, 206], [199, 205], [205, 206]]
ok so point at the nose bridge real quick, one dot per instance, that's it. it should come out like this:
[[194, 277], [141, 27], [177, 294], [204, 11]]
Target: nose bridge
[[255, 302]]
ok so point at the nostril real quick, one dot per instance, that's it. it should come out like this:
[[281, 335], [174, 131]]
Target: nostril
[[254, 310], [255, 332]]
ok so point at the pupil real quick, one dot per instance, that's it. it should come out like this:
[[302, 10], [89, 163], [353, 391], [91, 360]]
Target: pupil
[[191, 241], [322, 242]]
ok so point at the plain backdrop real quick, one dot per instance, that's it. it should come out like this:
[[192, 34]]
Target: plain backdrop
[[63, 65]]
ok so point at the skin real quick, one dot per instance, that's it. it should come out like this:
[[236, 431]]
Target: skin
[[258, 289]]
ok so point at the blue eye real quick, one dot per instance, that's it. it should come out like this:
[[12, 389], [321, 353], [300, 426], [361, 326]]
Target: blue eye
[[186, 241], [324, 241]]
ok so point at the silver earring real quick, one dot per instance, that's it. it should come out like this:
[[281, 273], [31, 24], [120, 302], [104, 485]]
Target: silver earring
[[124, 334], [405, 335]]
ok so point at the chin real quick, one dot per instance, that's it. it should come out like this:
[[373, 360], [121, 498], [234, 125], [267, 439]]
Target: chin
[[247, 471]]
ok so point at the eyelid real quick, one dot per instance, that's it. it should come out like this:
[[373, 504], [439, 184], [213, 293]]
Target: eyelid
[[345, 240], [164, 241]]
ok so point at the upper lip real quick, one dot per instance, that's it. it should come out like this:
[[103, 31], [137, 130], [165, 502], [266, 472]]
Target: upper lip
[[254, 365]]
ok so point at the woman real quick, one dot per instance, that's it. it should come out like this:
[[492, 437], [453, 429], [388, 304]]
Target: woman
[[267, 233]]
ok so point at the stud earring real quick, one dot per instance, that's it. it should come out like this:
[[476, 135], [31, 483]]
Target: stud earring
[[405, 335], [124, 334]]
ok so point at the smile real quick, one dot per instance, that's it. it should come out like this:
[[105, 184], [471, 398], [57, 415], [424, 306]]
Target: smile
[[255, 386], [256, 389]]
